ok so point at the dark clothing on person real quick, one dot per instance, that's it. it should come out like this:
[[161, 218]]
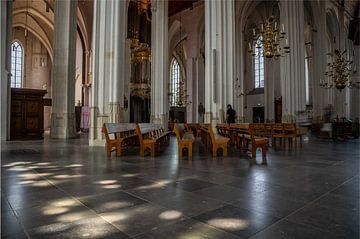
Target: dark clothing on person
[[231, 116]]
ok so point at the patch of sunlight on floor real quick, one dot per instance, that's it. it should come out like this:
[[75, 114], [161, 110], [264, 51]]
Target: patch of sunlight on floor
[[129, 175], [151, 186], [43, 167], [26, 182], [111, 186], [16, 164], [41, 164], [232, 224], [54, 210], [105, 182], [114, 217], [170, 215], [71, 217], [66, 176], [64, 203], [29, 176], [41, 183], [74, 165], [116, 204], [18, 169]]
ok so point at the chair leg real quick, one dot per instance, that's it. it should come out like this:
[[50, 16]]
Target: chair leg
[[180, 152], [152, 149], [190, 150], [263, 150], [142, 151], [214, 151], [253, 154], [118, 151], [224, 151]]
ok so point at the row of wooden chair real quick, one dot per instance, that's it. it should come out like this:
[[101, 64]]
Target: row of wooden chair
[[121, 136]]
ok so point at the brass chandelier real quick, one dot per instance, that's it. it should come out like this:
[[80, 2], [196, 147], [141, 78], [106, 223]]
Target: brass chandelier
[[267, 42], [339, 68], [339, 71]]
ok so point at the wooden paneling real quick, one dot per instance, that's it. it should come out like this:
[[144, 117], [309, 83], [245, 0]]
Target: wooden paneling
[[27, 114]]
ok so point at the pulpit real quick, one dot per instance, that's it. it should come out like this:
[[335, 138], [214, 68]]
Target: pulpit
[[27, 114]]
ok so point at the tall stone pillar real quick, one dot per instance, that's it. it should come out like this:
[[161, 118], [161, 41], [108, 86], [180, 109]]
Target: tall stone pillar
[[219, 58], [355, 92], [159, 62], [293, 66], [5, 66], [63, 92], [320, 96], [269, 90], [109, 66]]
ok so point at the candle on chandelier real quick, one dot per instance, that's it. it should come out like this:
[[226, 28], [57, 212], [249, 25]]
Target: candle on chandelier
[[254, 33], [282, 28], [286, 42], [275, 26], [262, 27]]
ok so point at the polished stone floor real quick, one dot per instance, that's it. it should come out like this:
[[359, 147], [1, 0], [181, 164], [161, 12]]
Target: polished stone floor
[[66, 189]]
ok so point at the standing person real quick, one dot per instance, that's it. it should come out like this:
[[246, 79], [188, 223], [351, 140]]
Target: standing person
[[230, 114]]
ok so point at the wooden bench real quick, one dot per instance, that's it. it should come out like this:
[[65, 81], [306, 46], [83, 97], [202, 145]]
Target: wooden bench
[[218, 142], [204, 135], [241, 134], [152, 137], [119, 136], [184, 139]]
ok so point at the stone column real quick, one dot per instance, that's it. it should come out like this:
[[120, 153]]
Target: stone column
[[355, 92], [159, 62], [319, 95], [5, 66], [269, 89], [219, 58], [109, 66], [63, 91], [293, 66]]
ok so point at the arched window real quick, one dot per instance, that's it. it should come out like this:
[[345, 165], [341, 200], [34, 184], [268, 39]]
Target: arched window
[[16, 64], [259, 64], [175, 78]]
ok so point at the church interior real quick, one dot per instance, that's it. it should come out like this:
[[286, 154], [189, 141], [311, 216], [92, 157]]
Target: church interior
[[180, 119]]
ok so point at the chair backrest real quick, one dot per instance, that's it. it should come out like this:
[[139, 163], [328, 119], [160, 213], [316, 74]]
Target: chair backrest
[[106, 133], [212, 136], [242, 127], [118, 129], [178, 130], [289, 127]]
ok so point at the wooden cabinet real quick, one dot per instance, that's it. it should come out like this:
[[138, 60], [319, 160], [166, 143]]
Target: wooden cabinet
[[27, 114]]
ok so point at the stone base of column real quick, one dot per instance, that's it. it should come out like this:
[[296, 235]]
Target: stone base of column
[[62, 126], [160, 119], [207, 117], [96, 137]]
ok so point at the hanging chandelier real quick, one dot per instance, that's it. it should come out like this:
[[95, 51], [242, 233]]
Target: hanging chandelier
[[267, 42], [339, 71], [339, 68]]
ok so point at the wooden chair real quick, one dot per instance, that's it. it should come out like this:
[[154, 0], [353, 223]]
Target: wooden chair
[[278, 133], [124, 135], [218, 142], [152, 137], [184, 139]]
